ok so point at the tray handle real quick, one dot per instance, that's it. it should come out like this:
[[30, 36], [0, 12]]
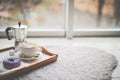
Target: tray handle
[[7, 48], [44, 50]]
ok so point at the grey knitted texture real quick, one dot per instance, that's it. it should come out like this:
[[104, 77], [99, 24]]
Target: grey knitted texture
[[75, 63]]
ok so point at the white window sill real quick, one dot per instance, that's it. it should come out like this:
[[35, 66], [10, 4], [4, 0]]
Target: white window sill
[[40, 33]]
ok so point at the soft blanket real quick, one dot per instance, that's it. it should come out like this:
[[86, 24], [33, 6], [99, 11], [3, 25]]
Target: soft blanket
[[75, 63]]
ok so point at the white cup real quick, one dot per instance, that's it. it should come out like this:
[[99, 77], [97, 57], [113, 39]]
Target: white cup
[[29, 49]]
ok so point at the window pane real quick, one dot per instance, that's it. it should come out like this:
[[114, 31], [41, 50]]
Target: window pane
[[42, 14], [96, 14]]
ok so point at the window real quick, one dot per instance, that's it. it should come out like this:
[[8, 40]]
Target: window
[[42, 16], [62, 17], [96, 17]]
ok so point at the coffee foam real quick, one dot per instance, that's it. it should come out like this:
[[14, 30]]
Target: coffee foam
[[28, 45]]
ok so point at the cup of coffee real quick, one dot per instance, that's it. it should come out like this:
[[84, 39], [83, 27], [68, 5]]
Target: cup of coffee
[[29, 49]]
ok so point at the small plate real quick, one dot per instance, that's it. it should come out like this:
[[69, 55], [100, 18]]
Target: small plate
[[22, 57]]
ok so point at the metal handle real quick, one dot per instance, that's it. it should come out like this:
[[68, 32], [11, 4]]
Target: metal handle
[[7, 33]]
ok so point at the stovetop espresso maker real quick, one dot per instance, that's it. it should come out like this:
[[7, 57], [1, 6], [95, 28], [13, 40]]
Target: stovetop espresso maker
[[19, 34]]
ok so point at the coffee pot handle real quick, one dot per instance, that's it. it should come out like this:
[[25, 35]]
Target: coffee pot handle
[[7, 32]]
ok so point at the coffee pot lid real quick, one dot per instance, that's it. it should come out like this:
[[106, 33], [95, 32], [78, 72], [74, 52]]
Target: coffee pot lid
[[20, 26]]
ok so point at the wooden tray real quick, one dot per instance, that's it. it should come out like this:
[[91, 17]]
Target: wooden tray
[[26, 67]]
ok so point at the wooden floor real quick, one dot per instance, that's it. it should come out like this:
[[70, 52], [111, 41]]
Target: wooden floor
[[108, 44]]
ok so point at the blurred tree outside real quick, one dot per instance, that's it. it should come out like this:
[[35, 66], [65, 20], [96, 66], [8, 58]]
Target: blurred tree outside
[[51, 12], [29, 11], [97, 13]]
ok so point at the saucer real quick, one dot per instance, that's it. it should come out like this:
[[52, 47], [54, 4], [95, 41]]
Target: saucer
[[22, 57]]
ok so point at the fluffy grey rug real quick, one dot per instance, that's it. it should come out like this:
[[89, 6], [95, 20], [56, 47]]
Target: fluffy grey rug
[[76, 63]]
